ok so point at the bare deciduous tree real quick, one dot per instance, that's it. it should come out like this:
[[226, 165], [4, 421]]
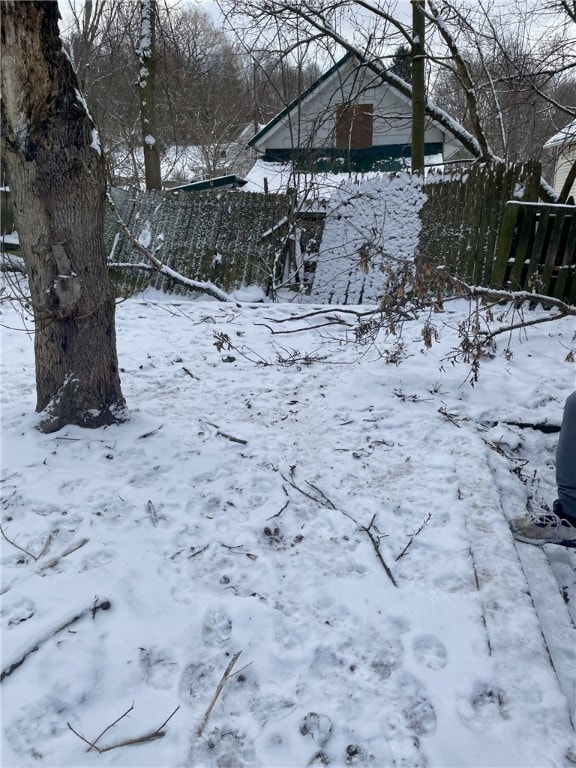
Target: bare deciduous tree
[[460, 36], [58, 181]]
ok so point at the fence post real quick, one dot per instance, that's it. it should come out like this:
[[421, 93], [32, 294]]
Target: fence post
[[505, 242]]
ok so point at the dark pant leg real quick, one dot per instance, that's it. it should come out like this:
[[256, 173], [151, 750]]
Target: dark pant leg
[[566, 458]]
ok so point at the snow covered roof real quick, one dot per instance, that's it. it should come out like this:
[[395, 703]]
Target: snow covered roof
[[563, 138]]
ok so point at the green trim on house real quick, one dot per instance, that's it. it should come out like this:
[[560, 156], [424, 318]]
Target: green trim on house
[[390, 157]]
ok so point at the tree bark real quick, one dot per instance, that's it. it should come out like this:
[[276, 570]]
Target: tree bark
[[147, 85], [58, 183], [418, 87]]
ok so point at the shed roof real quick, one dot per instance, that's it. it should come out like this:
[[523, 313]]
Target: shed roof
[[230, 180], [563, 138]]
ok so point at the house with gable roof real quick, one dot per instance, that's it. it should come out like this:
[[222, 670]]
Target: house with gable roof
[[348, 120], [563, 144]]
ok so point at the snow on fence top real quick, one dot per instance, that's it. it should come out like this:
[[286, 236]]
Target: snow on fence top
[[216, 237]]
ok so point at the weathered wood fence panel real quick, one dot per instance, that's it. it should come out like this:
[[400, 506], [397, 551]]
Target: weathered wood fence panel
[[208, 236], [486, 226], [463, 212], [537, 249]]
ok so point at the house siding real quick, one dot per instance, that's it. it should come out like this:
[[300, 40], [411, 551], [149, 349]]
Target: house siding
[[566, 158], [311, 124]]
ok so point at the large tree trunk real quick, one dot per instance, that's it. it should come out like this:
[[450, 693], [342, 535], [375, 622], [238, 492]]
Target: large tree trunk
[[58, 184]]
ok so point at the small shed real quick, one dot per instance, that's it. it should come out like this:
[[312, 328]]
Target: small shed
[[348, 119], [563, 144]]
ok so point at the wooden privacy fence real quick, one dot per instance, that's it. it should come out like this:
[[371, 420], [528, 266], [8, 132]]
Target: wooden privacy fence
[[537, 249], [228, 238], [463, 213]]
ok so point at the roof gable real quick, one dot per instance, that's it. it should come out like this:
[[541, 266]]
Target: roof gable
[[330, 74], [342, 75]]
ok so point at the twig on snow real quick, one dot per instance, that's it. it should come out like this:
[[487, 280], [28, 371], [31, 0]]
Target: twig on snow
[[158, 733], [449, 416], [331, 322], [317, 312], [277, 514], [26, 551], [97, 739], [226, 434], [149, 434], [192, 376], [324, 501], [413, 536], [54, 561], [223, 680], [376, 544], [328, 502]]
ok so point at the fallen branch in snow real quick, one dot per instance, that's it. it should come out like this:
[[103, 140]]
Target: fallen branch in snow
[[295, 357], [26, 551], [317, 312], [483, 614], [488, 336], [376, 544], [92, 744], [158, 266], [66, 552], [225, 434], [413, 536], [223, 680], [449, 416], [149, 434], [518, 297], [158, 733], [324, 501], [192, 376], [277, 514], [102, 605], [331, 322]]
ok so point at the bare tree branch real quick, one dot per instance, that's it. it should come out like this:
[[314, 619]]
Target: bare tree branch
[[194, 285]]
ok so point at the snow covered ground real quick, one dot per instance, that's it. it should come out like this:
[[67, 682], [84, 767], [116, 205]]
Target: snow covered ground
[[340, 521]]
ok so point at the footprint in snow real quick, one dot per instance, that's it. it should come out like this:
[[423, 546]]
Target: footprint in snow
[[486, 705], [430, 651], [158, 667], [318, 727], [16, 612], [406, 753], [96, 559], [389, 657], [217, 627], [195, 681], [411, 712]]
